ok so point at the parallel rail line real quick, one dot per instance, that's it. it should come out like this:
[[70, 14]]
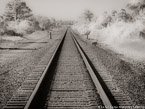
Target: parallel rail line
[[33, 95], [98, 85], [34, 87], [15, 103]]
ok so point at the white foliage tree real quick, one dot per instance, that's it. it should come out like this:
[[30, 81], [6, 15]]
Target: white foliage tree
[[17, 10], [136, 6], [44, 22]]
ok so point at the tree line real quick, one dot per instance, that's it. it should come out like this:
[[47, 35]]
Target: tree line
[[134, 10], [18, 19]]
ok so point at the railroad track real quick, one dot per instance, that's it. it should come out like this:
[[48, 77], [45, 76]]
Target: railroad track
[[66, 81]]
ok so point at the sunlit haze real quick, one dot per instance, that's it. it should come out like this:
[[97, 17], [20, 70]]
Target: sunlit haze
[[69, 9]]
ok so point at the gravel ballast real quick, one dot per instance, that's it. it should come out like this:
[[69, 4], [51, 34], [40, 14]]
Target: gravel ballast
[[128, 74], [17, 64]]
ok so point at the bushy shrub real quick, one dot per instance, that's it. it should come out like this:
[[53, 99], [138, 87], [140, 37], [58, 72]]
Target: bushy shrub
[[16, 28], [82, 29], [120, 31]]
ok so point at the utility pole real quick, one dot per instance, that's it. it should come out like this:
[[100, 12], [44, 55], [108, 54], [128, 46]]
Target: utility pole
[[50, 35]]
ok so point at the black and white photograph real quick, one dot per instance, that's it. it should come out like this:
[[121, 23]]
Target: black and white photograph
[[72, 54]]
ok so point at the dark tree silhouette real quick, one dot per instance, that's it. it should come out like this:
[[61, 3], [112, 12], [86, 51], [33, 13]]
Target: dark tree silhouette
[[88, 15], [137, 6], [17, 10]]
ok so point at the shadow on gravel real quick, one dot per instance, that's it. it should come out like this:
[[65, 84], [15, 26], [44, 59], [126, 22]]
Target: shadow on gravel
[[41, 99], [106, 89], [18, 48], [31, 42]]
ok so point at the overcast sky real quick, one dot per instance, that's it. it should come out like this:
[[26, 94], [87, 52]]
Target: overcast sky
[[69, 9]]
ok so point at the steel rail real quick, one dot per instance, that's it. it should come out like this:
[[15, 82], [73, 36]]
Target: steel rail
[[95, 80], [34, 93]]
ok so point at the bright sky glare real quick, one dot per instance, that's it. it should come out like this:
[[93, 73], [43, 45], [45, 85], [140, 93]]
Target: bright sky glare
[[69, 9]]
